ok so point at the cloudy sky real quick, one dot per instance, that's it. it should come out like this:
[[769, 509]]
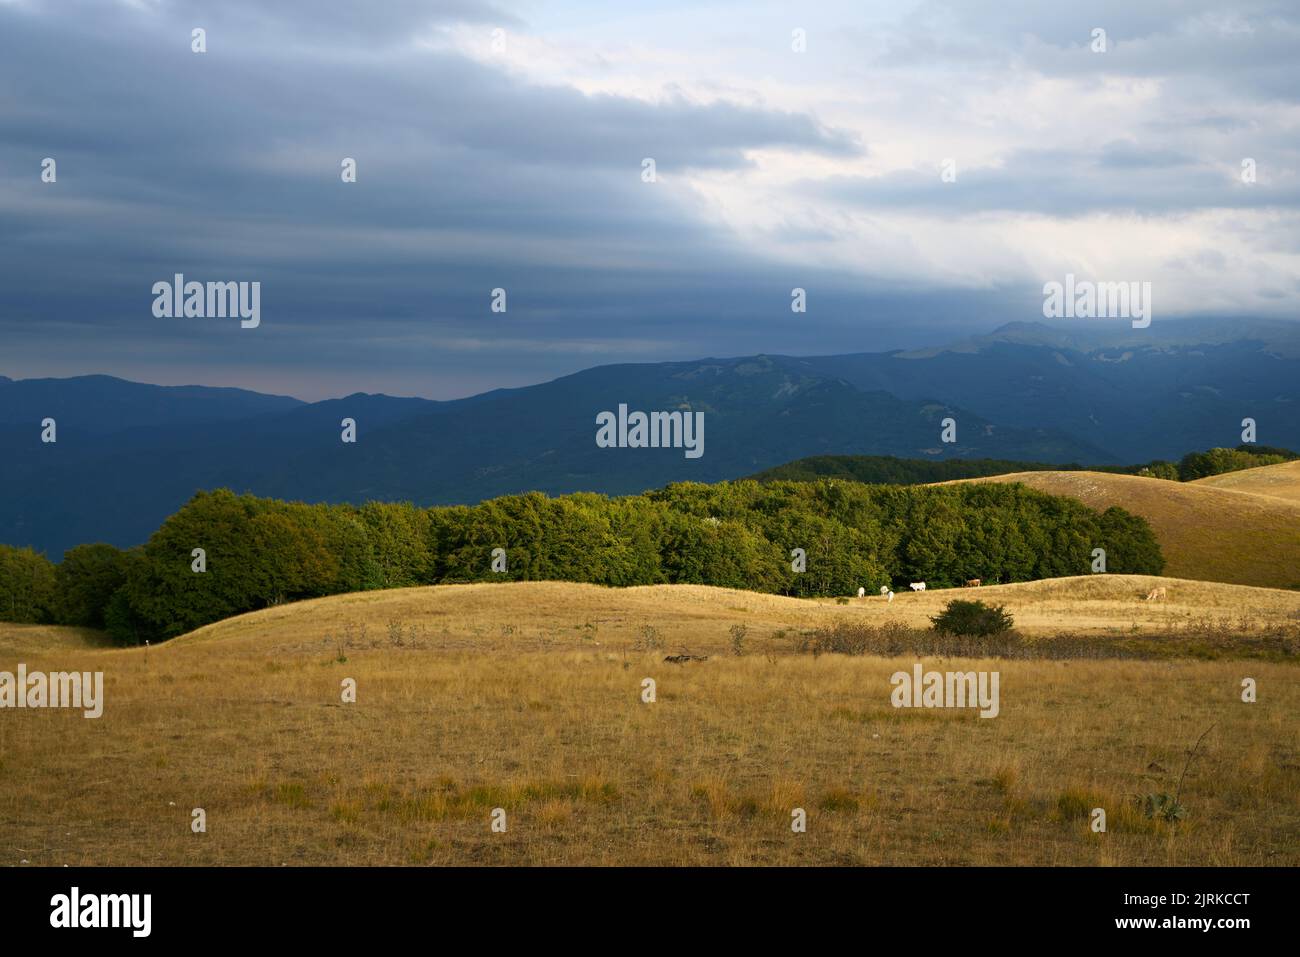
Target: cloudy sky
[[502, 144]]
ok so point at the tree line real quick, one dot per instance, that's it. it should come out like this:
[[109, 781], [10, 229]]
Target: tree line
[[897, 471], [1197, 465], [257, 552]]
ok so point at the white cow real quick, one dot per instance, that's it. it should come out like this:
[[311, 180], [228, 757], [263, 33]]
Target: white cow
[[862, 593], [918, 586], [891, 595], [884, 590]]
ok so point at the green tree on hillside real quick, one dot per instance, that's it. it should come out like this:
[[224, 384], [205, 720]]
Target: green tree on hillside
[[1130, 544], [86, 580], [27, 586]]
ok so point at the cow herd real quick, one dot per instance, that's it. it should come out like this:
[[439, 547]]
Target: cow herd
[[1156, 593]]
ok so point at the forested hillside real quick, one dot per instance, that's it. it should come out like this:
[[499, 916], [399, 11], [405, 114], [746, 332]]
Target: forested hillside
[[257, 552]]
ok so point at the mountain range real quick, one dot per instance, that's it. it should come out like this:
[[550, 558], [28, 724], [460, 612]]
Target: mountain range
[[128, 454]]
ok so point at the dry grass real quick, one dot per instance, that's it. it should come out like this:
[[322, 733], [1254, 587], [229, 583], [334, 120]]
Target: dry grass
[[1205, 531], [526, 697], [31, 639], [697, 618], [1275, 481]]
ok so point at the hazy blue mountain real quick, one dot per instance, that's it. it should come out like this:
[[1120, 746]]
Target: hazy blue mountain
[[1140, 394], [129, 454], [102, 404], [757, 411]]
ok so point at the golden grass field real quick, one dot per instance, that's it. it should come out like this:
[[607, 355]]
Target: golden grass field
[[1222, 529], [1276, 481], [526, 696]]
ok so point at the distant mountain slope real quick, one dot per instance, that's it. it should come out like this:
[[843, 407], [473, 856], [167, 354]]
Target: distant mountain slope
[[758, 412], [128, 454], [1275, 481], [1206, 533], [1140, 394], [102, 404]]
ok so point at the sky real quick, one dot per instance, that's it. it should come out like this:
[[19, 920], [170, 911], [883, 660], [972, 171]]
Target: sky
[[502, 145]]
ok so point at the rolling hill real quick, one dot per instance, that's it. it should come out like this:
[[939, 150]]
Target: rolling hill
[[546, 615], [528, 696], [696, 618], [1273, 481], [1206, 532]]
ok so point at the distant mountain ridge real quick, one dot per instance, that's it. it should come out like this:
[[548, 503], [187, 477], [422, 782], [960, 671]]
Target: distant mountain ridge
[[1138, 394], [102, 404], [130, 454]]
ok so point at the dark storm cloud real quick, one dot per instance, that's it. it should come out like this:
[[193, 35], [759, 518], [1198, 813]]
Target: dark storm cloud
[[226, 165]]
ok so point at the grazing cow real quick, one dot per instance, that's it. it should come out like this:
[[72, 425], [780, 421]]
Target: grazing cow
[[1158, 592], [972, 583], [918, 586], [891, 595], [862, 593]]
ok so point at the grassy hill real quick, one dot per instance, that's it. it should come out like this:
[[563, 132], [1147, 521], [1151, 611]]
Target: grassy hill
[[566, 616], [1211, 530], [696, 618], [1275, 481], [527, 697]]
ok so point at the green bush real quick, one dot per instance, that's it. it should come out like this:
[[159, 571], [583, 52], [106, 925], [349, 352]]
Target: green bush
[[972, 619]]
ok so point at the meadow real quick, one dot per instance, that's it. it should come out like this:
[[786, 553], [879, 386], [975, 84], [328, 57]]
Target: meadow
[[528, 697], [1241, 527]]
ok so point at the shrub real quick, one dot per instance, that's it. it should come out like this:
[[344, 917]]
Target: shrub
[[972, 619], [842, 638], [648, 639], [738, 633]]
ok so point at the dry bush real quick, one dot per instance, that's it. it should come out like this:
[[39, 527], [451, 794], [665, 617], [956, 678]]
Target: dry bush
[[1277, 642]]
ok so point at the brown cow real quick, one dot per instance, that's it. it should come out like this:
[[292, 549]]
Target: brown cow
[[972, 583], [1158, 592]]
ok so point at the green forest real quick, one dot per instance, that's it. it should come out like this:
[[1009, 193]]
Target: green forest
[[258, 552]]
